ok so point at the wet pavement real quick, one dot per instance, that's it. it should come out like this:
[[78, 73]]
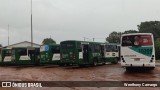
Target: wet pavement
[[109, 72]]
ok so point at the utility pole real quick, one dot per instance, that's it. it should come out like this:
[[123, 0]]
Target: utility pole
[[31, 27], [8, 34], [84, 38]]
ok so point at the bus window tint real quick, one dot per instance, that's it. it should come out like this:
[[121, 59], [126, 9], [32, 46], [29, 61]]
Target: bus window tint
[[145, 40], [127, 41], [137, 40], [67, 45], [55, 49], [95, 47], [79, 47], [22, 51], [37, 51], [111, 48], [8, 53]]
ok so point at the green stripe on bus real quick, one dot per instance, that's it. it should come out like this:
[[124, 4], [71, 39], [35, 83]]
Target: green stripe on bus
[[147, 51]]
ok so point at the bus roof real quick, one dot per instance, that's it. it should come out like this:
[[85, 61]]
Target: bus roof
[[81, 41], [137, 34], [52, 44]]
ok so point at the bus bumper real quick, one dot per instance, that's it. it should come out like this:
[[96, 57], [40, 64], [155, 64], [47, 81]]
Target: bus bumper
[[138, 65]]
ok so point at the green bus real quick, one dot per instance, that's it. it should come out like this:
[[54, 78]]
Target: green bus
[[110, 52], [0, 54], [81, 53], [25, 55], [50, 54], [5, 56]]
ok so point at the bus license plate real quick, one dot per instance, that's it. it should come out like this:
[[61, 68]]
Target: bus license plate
[[137, 59]]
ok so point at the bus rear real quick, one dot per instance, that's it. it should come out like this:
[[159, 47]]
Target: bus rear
[[68, 52], [24, 56], [112, 53], [137, 50], [50, 54], [6, 56]]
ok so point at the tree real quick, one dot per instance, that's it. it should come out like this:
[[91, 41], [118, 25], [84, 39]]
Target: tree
[[48, 41], [130, 31], [150, 27], [114, 37], [157, 48], [154, 28], [0, 45]]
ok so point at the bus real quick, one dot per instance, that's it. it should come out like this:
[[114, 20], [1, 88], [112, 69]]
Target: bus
[[5, 56], [0, 54], [137, 50], [25, 56], [110, 52], [50, 54], [81, 53]]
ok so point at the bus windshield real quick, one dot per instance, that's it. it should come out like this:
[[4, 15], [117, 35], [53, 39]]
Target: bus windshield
[[137, 40]]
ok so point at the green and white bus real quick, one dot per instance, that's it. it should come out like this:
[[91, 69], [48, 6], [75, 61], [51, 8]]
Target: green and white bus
[[81, 53], [25, 56], [110, 52], [50, 54], [5, 56], [137, 50]]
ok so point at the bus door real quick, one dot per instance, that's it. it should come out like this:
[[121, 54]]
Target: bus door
[[85, 48], [31, 54], [102, 50]]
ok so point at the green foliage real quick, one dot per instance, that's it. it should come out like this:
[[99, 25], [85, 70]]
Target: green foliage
[[48, 41], [157, 48], [150, 27], [130, 31], [0, 45], [114, 37], [154, 28]]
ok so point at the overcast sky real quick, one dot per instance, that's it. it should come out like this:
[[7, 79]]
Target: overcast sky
[[72, 19]]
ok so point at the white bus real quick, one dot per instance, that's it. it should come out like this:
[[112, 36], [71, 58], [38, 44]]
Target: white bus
[[110, 51], [137, 50]]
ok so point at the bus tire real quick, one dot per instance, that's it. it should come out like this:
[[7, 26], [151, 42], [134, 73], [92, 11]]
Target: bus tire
[[128, 68], [61, 65], [151, 68], [80, 65], [115, 61]]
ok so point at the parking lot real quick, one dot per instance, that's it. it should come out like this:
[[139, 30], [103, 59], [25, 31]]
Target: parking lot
[[108, 72]]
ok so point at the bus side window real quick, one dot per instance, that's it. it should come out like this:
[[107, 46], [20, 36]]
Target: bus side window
[[79, 47], [22, 52], [56, 49]]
